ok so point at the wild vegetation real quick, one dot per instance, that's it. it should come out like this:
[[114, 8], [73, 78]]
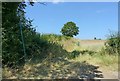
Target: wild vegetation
[[60, 57], [49, 56]]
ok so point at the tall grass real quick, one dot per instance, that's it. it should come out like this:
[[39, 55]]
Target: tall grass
[[55, 47], [105, 61], [54, 37]]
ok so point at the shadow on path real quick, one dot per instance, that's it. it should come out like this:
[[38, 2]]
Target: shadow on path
[[58, 68]]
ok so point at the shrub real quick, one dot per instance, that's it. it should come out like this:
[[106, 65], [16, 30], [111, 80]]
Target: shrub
[[73, 54], [90, 52], [112, 45], [95, 38]]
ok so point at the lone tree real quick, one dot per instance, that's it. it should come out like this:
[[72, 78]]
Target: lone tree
[[70, 29]]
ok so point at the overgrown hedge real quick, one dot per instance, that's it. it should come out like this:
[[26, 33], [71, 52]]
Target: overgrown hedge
[[112, 45]]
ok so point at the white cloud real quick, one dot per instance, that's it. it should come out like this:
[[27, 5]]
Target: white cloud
[[57, 1]]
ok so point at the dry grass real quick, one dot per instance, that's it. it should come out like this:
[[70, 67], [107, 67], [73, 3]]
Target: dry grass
[[76, 44], [57, 68], [109, 62], [83, 66], [94, 45]]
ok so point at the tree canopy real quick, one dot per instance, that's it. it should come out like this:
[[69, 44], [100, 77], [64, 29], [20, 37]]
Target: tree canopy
[[70, 29]]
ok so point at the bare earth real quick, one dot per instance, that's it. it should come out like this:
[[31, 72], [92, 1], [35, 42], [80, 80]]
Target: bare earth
[[107, 74]]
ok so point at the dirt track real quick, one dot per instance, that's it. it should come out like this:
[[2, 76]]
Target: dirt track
[[107, 74]]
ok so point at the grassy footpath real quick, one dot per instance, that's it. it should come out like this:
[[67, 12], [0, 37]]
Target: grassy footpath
[[83, 66]]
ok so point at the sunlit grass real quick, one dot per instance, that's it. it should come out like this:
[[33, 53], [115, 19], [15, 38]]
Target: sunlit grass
[[108, 61], [56, 65]]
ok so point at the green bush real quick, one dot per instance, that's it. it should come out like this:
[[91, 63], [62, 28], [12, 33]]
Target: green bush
[[73, 54], [112, 45], [12, 49], [90, 52]]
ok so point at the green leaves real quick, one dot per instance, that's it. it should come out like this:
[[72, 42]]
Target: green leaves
[[113, 44], [12, 51], [70, 29]]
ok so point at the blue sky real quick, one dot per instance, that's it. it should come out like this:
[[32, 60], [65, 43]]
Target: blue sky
[[94, 19]]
